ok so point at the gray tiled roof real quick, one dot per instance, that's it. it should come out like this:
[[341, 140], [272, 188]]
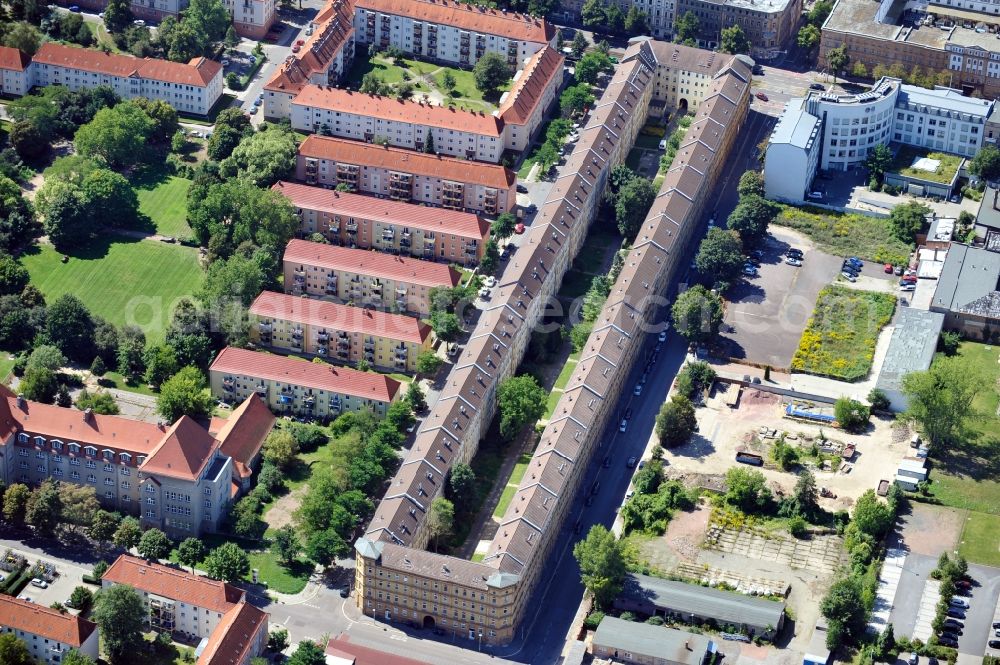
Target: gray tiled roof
[[912, 346], [723, 606], [675, 646], [969, 273]]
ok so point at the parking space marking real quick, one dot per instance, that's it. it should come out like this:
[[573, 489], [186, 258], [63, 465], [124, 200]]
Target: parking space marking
[[928, 608], [888, 581], [990, 651]]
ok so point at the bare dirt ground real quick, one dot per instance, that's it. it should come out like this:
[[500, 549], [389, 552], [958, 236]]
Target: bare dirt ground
[[281, 511], [931, 530]]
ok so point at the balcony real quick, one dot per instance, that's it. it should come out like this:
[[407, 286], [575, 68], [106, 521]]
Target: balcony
[[402, 352], [335, 404], [228, 385], [297, 334], [309, 402], [352, 227], [323, 336], [370, 357], [322, 350], [369, 345], [343, 342], [388, 235], [261, 390]]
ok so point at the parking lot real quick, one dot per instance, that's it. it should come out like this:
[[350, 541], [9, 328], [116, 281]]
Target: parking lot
[[68, 577]]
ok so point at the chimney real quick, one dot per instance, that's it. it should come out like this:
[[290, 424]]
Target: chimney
[[88, 415], [21, 402], [687, 645]]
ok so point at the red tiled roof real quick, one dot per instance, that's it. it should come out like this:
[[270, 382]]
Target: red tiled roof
[[13, 59], [45, 622], [198, 72], [527, 91], [520, 27], [443, 220], [172, 583], [320, 376], [342, 647], [398, 110], [336, 25], [231, 641], [374, 264], [184, 452], [340, 317], [242, 435], [409, 161]]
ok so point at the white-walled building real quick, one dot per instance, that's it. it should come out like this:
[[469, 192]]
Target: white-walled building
[[48, 633], [536, 87], [192, 88], [792, 154], [451, 31], [400, 123], [251, 18], [14, 71]]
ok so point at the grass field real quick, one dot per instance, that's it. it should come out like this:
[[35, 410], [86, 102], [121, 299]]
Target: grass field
[[6, 364], [945, 171], [511, 488], [846, 234], [839, 339], [980, 542], [283, 580], [165, 202], [123, 280]]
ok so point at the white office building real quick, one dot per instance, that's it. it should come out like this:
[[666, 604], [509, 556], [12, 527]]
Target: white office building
[[793, 153]]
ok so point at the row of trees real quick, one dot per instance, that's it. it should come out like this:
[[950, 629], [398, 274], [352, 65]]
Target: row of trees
[[603, 17], [202, 26]]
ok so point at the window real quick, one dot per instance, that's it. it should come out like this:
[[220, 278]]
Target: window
[[150, 501], [92, 478], [126, 485]]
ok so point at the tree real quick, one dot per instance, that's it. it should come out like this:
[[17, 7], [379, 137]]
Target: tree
[[131, 343], [859, 70], [372, 84], [117, 16], [845, 611], [851, 414], [631, 205], [602, 564], [819, 12], [491, 257], [163, 116], [614, 18], [986, 163], [225, 214], [676, 422], [503, 227], [102, 528], [81, 598], [307, 653], [879, 160], [184, 394], [878, 400], [415, 397], [462, 483], [323, 547], [13, 276], [77, 505], [119, 612], [285, 545], [154, 545], [65, 212], [280, 448], [399, 416], [161, 364], [440, 519], [13, 651], [117, 135], [39, 385], [44, 508], [428, 363], [751, 218], [70, 327], [734, 40], [590, 67], [907, 219], [228, 563], [491, 72], [686, 27], [751, 184], [448, 82], [746, 489], [579, 45], [63, 397], [593, 14], [112, 195], [837, 59], [23, 37], [263, 158], [697, 314], [429, 141], [806, 495], [74, 657], [720, 255], [15, 501], [808, 37], [576, 99], [47, 357], [128, 533], [270, 478], [445, 325], [209, 16], [277, 640], [521, 402], [636, 21], [872, 515]]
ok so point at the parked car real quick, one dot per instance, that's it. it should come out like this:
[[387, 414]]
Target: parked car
[[888, 268], [908, 287], [761, 96], [296, 48], [628, 413], [853, 260], [345, 592], [966, 584], [637, 390], [898, 271], [300, 42], [662, 337], [663, 144], [794, 253], [914, 659], [484, 292], [491, 281], [907, 279], [519, 228], [953, 622], [40, 583], [623, 426], [948, 642], [630, 463], [994, 644], [750, 271], [954, 612], [959, 602], [817, 86], [522, 189], [75, 9], [848, 276], [793, 261]]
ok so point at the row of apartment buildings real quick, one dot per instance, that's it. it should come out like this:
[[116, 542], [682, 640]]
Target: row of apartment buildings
[[251, 18], [180, 478], [214, 615], [405, 175], [395, 578], [191, 88], [836, 132]]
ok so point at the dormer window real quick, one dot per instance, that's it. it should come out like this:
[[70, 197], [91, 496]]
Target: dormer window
[[23, 438], [139, 460], [109, 455], [74, 448], [57, 444], [89, 451], [39, 440], [125, 458]]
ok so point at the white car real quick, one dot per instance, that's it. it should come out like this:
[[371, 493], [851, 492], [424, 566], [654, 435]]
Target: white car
[[793, 262], [662, 337], [484, 292], [848, 276], [623, 426], [663, 144], [40, 583], [139, 22], [750, 271], [637, 390], [908, 287], [491, 281]]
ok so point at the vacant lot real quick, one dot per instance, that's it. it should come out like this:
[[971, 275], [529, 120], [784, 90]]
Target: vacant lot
[[946, 170], [123, 280], [846, 234], [839, 340], [165, 203]]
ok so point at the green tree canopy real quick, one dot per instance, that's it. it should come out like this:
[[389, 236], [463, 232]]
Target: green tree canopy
[[117, 135], [184, 394], [119, 611], [190, 552], [686, 27], [602, 564], [224, 215], [751, 184], [440, 519], [590, 67], [154, 545], [14, 651], [675, 423], [907, 219], [734, 40], [227, 562], [128, 533], [879, 160], [720, 255], [631, 205], [747, 490], [521, 402], [808, 37], [697, 314], [986, 163], [307, 653], [491, 72], [751, 218], [576, 98], [262, 158]]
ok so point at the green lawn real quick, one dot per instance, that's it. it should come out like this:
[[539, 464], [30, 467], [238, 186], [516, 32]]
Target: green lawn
[[6, 364], [279, 578], [980, 542], [839, 339], [123, 280], [575, 284], [846, 234], [120, 383], [565, 374], [944, 174], [591, 256], [165, 202], [511, 488]]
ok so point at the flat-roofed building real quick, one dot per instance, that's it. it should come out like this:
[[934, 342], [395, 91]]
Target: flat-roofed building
[[911, 349], [968, 291], [14, 71], [768, 25], [394, 227], [193, 87], [398, 122], [48, 633], [231, 630], [364, 278], [451, 31], [341, 333], [323, 60], [633, 643], [297, 386], [405, 175], [535, 89]]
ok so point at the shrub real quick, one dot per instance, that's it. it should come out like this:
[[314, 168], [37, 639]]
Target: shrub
[[797, 527], [593, 620]]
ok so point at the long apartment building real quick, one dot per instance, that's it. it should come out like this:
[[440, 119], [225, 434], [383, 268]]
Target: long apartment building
[[396, 579], [192, 88], [297, 386], [364, 278], [400, 123], [535, 89], [405, 175], [770, 25], [323, 60], [450, 31], [179, 478], [338, 332], [393, 227], [231, 630], [14, 65], [49, 634]]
